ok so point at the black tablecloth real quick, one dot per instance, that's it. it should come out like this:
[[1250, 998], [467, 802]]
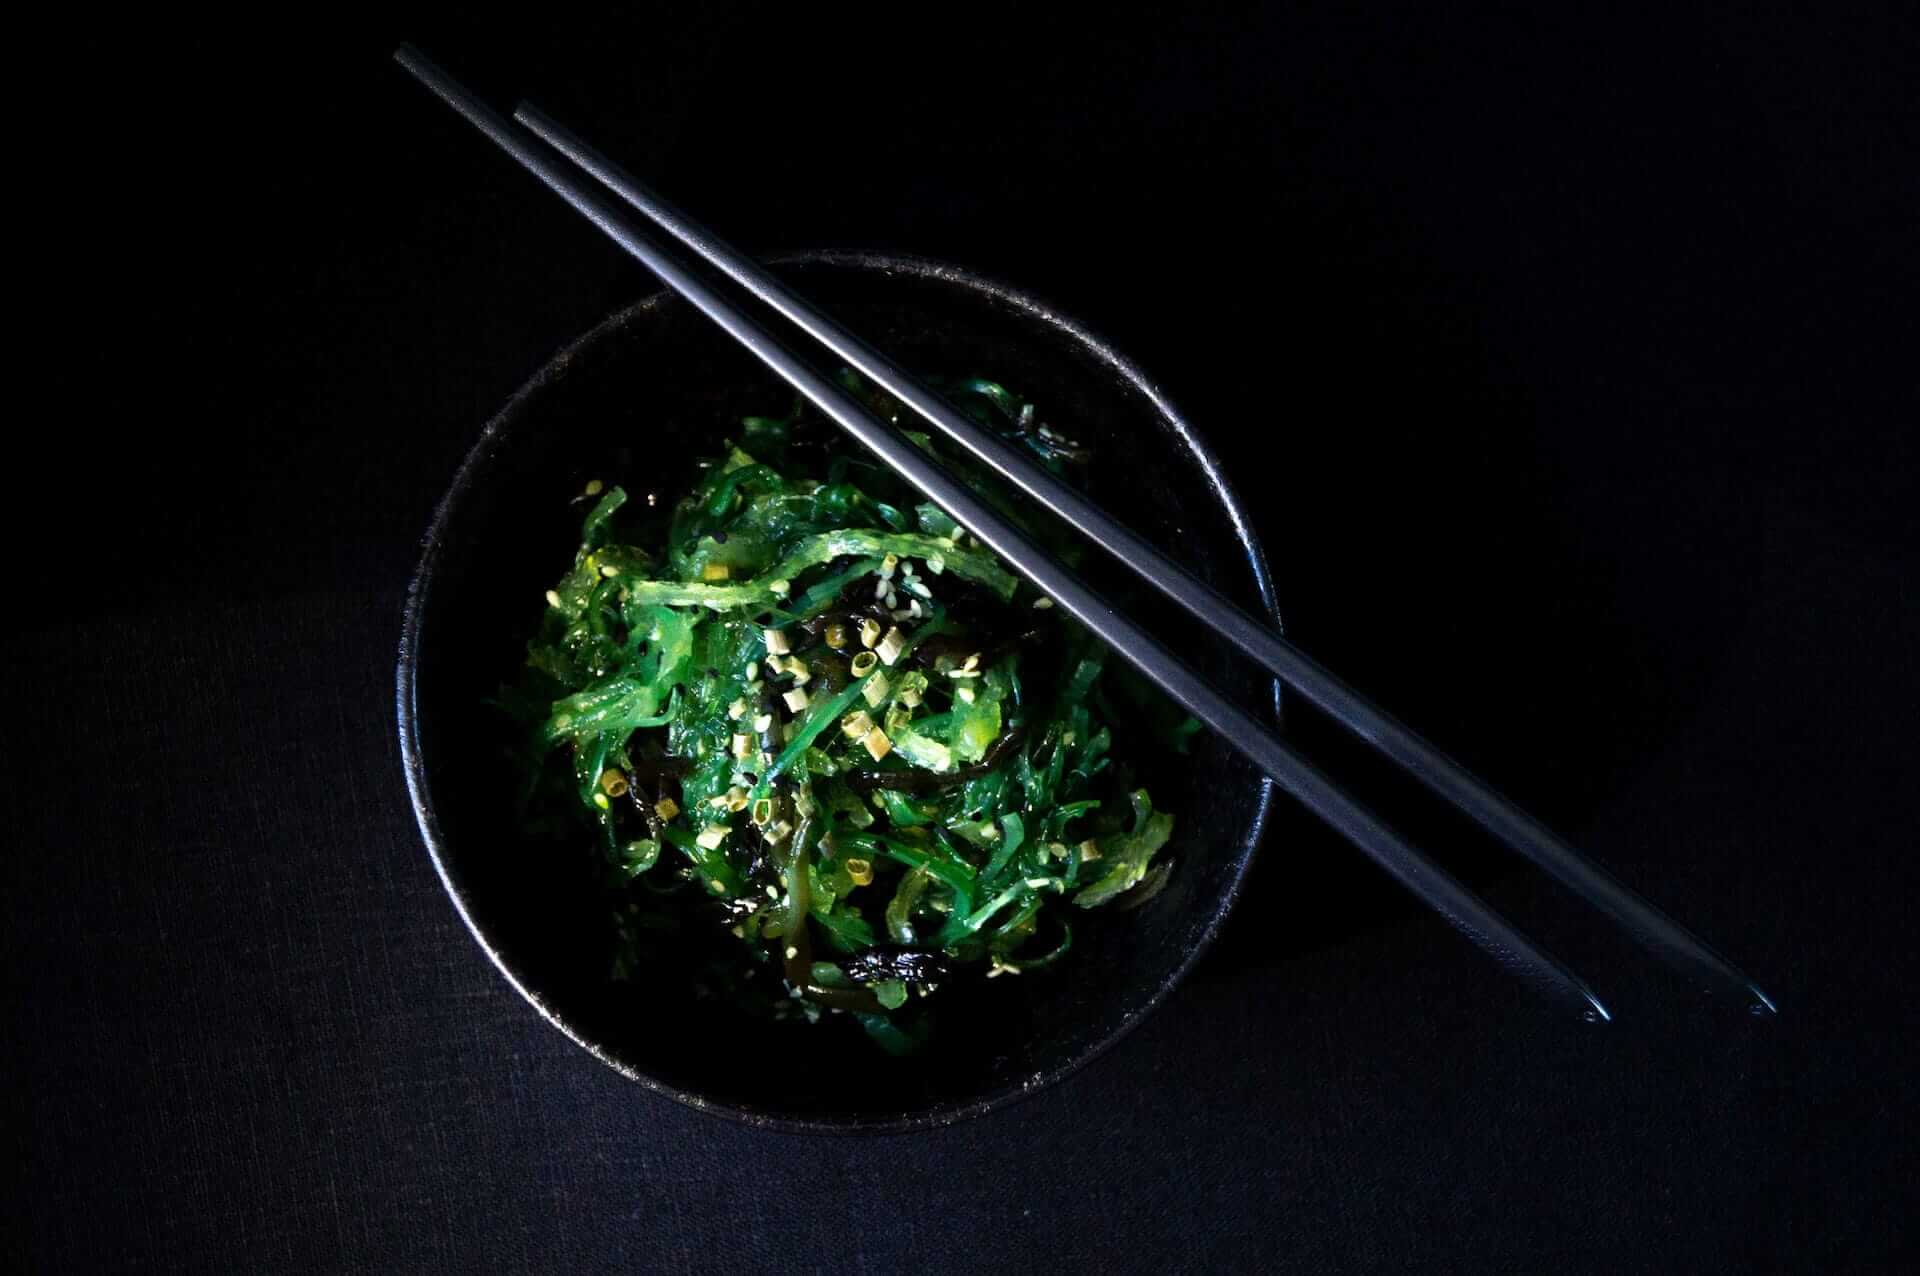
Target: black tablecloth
[[1570, 367]]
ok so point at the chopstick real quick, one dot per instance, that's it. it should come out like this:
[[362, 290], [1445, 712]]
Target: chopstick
[[1429, 882], [1647, 923]]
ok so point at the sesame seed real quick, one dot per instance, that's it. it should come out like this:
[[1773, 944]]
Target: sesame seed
[[792, 952], [762, 722], [1042, 603], [594, 487], [609, 571], [753, 670], [553, 598], [779, 588]]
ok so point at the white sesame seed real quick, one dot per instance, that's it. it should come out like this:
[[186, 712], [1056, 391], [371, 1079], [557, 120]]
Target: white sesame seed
[[792, 952], [753, 670], [762, 722], [1042, 603], [553, 598]]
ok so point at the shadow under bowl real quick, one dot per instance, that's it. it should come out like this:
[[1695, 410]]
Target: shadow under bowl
[[638, 400]]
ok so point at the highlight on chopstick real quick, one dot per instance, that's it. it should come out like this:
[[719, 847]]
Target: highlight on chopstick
[[800, 706]]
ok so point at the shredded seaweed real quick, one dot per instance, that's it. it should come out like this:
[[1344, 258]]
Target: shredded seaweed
[[815, 713]]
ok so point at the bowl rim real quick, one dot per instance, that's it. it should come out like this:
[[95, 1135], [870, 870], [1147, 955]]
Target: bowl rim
[[421, 586]]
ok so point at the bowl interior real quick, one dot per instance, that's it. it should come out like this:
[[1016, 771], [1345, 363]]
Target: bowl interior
[[637, 401]]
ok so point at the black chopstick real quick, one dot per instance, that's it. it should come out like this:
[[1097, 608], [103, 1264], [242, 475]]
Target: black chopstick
[[1526, 835], [1453, 901]]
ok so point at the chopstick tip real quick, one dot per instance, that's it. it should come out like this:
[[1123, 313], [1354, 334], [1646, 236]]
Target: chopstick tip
[[1596, 1011]]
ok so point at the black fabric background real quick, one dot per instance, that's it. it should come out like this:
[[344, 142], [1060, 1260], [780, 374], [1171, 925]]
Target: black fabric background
[[1569, 361]]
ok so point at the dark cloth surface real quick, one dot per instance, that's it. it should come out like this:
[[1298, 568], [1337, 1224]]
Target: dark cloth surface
[[1570, 369]]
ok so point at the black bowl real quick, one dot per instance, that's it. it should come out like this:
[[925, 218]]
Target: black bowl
[[637, 400]]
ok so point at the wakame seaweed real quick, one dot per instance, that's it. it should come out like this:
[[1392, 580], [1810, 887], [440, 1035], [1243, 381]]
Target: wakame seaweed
[[802, 708]]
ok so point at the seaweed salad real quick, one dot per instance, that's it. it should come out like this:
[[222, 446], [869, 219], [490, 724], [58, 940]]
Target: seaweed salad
[[807, 715]]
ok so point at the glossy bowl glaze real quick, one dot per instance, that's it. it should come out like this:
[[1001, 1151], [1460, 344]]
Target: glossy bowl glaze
[[636, 401]]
